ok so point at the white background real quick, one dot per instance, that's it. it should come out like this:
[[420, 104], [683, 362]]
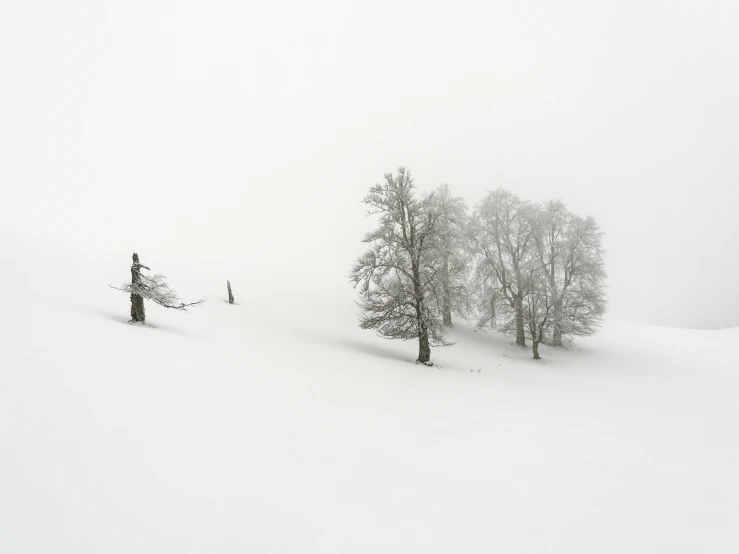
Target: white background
[[249, 131]]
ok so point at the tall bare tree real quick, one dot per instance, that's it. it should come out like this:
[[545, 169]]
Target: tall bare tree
[[399, 274], [569, 250], [452, 212], [503, 230]]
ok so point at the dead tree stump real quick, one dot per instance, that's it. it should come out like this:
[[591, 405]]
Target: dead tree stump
[[230, 294], [137, 301]]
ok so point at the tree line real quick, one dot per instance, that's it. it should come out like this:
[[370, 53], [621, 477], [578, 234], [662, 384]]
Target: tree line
[[532, 270]]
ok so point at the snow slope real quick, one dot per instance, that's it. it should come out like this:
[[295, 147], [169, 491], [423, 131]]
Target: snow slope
[[277, 426]]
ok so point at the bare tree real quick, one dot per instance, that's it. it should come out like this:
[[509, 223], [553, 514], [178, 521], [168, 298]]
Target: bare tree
[[452, 212], [152, 287], [570, 252], [503, 230], [398, 277], [230, 294]]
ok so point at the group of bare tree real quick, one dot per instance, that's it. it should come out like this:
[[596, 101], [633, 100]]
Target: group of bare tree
[[533, 270]]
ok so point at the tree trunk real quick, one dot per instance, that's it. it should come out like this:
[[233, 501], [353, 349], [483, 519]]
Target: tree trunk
[[446, 294], [535, 348], [447, 316], [230, 294], [557, 325], [137, 301], [520, 333], [424, 350], [557, 335]]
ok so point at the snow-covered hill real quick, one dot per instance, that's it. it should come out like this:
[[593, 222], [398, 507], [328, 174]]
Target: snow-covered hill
[[276, 425]]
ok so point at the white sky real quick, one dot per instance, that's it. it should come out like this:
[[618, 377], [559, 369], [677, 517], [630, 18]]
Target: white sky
[[249, 131]]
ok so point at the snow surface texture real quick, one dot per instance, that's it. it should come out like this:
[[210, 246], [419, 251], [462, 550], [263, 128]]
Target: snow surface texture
[[277, 426]]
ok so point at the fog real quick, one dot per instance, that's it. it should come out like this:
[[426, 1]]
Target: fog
[[245, 134]]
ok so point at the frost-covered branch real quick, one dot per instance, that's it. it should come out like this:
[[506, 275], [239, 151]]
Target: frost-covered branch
[[151, 287]]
